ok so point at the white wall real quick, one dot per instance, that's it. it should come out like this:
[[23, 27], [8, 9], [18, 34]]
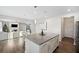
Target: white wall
[[54, 25]]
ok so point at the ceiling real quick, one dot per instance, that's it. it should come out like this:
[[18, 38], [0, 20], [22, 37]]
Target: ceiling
[[29, 12]]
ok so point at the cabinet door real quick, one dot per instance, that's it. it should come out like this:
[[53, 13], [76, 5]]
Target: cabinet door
[[44, 48], [53, 43]]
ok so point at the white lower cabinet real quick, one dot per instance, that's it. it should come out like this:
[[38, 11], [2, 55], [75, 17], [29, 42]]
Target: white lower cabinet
[[52, 44], [47, 47], [31, 47], [44, 48]]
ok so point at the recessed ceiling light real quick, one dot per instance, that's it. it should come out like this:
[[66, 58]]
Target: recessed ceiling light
[[68, 10]]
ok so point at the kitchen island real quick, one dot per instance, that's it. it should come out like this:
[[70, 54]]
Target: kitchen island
[[36, 43]]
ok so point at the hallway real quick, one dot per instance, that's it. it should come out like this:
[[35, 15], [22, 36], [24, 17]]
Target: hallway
[[66, 46]]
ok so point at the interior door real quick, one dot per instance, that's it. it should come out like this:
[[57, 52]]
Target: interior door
[[69, 27]]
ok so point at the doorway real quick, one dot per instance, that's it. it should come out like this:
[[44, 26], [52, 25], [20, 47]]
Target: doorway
[[67, 35], [68, 27]]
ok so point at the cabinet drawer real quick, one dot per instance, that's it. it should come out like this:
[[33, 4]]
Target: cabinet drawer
[[44, 48], [53, 40], [53, 43]]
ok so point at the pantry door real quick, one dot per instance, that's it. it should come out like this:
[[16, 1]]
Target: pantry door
[[68, 27]]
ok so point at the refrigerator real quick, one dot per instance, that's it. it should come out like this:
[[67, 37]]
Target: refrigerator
[[77, 36]]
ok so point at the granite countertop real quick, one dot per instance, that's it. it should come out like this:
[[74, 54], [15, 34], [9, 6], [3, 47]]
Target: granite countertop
[[39, 39]]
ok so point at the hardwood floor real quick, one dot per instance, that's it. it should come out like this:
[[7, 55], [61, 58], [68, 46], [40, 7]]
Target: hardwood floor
[[66, 46], [12, 46], [17, 46]]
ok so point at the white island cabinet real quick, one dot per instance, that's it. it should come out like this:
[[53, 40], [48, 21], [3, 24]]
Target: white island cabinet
[[41, 44]]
